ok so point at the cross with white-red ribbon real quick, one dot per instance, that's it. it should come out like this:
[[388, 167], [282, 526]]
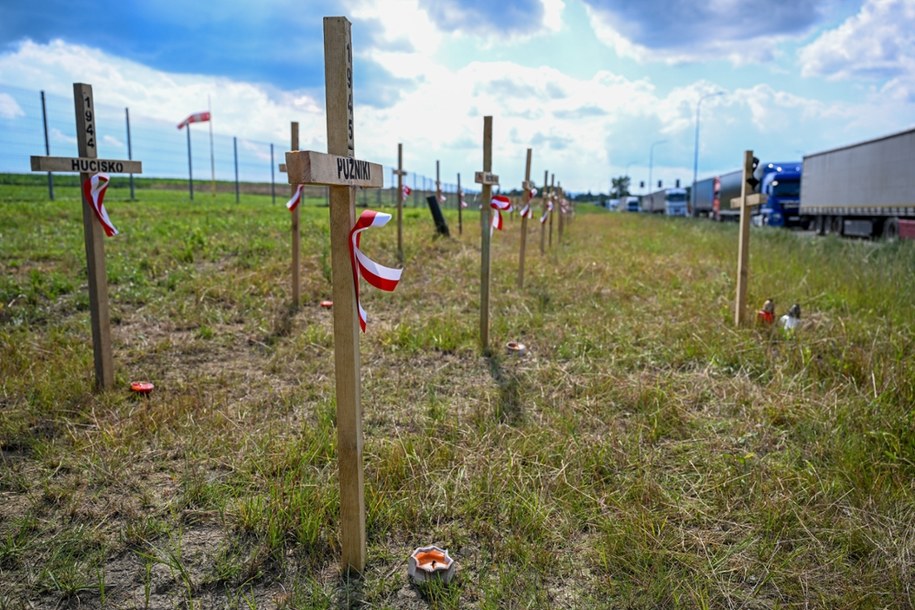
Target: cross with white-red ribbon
[[379, 276], [499, 203], [296, 199], [94, 189]]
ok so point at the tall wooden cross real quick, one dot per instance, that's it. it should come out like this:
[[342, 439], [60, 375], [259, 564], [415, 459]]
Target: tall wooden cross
[[88, 164], [487, 179], [400, 197], [745, 202], [545, 201], [460, 206], [342, 173], [526, 198], [296, 233], [555, 205], [561, 211]]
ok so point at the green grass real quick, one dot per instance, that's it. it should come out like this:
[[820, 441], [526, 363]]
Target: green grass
[[643, 454]]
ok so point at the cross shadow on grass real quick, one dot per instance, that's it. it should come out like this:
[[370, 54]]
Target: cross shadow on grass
[[509, 409]]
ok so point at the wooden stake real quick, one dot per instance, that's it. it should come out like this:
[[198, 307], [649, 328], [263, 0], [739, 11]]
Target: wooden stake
[[487, 179], [88, 164], [400, 197], [561, 213], [525, 200], [745, 203], [544, 199], [438, 184], [296, 233]]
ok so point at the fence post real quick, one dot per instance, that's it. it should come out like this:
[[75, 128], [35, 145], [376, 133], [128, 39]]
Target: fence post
[[272, 176], [129, 150], [235, 153], [47, 145]]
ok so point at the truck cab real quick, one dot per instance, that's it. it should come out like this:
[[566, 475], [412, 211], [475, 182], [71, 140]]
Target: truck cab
[[781, 185], [675, 202], [629, 204]]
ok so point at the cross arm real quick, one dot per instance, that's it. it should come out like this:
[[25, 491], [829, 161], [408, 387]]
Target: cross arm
[[85, 165], [752, 200], [310, 167]]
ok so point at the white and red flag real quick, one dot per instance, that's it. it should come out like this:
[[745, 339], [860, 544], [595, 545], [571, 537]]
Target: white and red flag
[[94, 189], [379, 276], [498, 204], [406, 192], [296, 199], [197, 117]]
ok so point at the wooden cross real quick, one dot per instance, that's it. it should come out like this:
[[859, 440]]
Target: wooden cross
[[745, 202], [400, 196], [460, 206], [526, 197], [88, 164], [487, 179], [555, 205], [561, 214], [342, 173], [296, 233], [544, 205]]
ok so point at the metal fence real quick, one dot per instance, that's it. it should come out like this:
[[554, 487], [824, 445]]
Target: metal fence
[[36, 123]]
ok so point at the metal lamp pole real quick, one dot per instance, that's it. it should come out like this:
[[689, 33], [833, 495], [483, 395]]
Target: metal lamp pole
[[692, 195]]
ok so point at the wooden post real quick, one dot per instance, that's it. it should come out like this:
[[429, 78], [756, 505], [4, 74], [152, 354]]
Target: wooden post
[[525, 200], [342, 173], [400, 197], [544, 200], [296, 233], [487, 179], [554, 200], [460, 206], [561, 211], [88, 164], [745, 202]]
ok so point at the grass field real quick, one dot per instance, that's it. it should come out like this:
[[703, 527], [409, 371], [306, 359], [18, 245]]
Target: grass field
[[643, 454]]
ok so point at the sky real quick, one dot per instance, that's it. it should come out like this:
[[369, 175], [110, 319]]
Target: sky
[[597, 88]]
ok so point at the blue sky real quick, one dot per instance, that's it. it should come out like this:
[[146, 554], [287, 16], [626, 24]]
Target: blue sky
[[590, 85]]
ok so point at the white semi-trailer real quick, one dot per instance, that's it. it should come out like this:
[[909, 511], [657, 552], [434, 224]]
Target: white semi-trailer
[[865, 189]]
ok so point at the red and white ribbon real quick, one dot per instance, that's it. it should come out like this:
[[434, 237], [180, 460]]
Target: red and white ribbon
[[546, 212], [442, 199], [94, 189], [498, 203], [296, 199], [379, 276], [463, 203], [564, 206], [406, 191]]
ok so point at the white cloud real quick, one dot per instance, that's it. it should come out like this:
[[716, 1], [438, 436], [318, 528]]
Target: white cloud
[[110, 140], [876, 43], [9, 109], [57, 135]]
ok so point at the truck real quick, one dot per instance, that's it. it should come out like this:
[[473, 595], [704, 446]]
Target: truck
[[780, 182], [714, 194], [865, 189], [671, 201], [629, 203]]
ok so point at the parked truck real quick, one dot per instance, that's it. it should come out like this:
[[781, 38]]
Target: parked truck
[[671, 201], [865, 189], [728, 187], [780, 182]]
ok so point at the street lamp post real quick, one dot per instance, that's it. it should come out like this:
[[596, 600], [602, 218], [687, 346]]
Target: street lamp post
[[692, 196], [651, 162]]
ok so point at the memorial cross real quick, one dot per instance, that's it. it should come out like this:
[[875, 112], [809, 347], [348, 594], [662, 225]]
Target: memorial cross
[[745, 202], [342, 173], [89, 165], [526, 196], [400, 173], [487, 179]]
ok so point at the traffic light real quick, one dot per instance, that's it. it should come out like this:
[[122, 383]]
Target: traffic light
[[677, 183], [751, 179], [660, 182], [641, 184]]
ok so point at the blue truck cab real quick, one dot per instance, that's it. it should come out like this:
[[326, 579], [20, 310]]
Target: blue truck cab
[[780, 183]]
